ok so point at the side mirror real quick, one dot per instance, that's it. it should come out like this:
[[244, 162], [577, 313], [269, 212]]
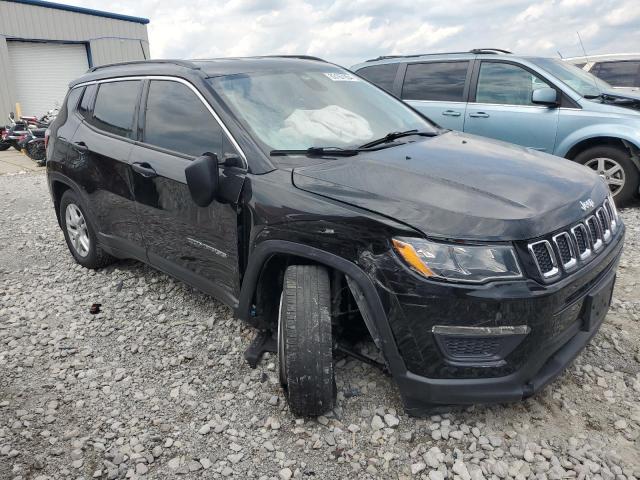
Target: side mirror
[[202, 179], [545, 96]]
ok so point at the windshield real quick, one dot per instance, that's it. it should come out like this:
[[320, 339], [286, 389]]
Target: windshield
[[584, 83], [326, 107]]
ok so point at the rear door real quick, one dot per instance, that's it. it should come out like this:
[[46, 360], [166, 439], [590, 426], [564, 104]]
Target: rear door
[[438, 90], [98, 160], [500, 107], [196, 244]]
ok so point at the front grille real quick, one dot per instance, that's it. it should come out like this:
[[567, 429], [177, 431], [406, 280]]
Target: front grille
[[544, 258], [565, 250], [581, 239], [578, 243]]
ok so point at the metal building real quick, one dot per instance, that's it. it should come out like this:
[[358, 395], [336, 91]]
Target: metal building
[[45, 45]]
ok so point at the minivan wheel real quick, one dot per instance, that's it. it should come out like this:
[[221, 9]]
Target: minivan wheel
[[79, 233], [305, 342], [617, 169]]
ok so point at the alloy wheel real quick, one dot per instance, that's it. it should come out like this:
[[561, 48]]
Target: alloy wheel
[[610, 171], [77, 230]]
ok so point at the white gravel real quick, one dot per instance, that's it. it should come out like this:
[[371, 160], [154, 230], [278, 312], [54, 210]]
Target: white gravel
[[155, 386]]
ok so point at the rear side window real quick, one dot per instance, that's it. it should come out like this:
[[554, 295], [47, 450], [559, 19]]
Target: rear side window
[[619, 74], [580, 65], [84, 109], [115, 106], [177, 120], [443, 81], [506, 84], [381, 75]]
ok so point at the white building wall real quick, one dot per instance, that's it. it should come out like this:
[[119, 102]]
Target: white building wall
[[109, 40]]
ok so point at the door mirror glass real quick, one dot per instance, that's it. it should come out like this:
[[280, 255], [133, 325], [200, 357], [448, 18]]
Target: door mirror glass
[[202, 179], [545, 96]]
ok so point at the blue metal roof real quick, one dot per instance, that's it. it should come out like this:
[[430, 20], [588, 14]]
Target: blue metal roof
[[86, 11]]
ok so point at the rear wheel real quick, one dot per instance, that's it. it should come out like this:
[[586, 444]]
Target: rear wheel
[[305, 342], [616, 168], [79, 234], [4, 146], [36, 151]]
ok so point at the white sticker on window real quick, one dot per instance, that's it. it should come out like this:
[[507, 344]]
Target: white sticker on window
[[341, 77]]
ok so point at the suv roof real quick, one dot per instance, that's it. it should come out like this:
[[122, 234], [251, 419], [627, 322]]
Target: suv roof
[[475, 51], [201, 67]]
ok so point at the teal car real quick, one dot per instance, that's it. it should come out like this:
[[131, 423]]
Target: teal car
[[543, 104]]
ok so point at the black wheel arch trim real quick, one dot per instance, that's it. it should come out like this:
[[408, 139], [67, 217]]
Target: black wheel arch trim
[[375, 316]]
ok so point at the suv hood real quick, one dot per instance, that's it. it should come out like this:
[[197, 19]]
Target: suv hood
[[460, 186]]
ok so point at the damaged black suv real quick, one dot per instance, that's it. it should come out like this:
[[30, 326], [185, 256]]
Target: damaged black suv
[[313, 203]]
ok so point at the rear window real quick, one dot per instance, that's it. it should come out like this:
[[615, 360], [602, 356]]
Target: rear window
[[114, 107], [381, 75], [618, 74], [443, 81]]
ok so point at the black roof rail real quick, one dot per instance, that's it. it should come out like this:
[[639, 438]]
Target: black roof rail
[[474, 51], [302, 57], [181, 63], [489, 50]]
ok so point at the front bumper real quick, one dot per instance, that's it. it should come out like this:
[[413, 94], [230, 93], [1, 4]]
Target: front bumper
[[561, 319]]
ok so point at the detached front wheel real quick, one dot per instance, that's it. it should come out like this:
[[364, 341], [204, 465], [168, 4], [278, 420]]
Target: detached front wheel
[[305, 343]]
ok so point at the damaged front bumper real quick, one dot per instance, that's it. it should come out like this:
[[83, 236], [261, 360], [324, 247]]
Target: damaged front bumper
[[499, 342]]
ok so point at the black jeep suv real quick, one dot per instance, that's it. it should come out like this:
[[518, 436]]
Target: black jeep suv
[[312, 203]]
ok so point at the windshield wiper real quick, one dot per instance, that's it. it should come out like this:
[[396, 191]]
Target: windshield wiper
[[318, 152], [390, 137]]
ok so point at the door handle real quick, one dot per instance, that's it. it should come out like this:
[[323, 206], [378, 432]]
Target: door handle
[[144, 169], [80, 147], [451, 113], [479, 115]]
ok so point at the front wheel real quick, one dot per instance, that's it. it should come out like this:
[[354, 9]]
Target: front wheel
[[4, 146], [616, 168], [305, 342], [36, 151]]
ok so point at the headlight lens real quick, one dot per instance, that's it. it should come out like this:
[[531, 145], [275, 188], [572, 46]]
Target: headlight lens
[[458, 263]]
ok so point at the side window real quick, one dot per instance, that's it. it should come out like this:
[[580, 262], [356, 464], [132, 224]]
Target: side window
[[176, 119], [579, 65], [72, 99], [381, 75], [619, 74], [84, 109], [506, 84], [114, 107], [443, 81]]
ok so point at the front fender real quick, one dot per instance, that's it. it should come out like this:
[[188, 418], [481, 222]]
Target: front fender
[[628, 133]]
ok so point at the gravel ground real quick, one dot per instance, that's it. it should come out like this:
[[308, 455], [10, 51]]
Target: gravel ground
[[155, 386]]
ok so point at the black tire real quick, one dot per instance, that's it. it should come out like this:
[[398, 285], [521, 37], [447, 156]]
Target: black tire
[[4, 146], [95, 256], [305, 343], [626, 192], [15, 146]]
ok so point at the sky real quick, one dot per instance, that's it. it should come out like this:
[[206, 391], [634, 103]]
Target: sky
[[350, 31]]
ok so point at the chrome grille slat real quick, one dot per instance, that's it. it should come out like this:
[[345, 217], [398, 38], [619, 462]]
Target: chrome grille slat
[[576, 244]]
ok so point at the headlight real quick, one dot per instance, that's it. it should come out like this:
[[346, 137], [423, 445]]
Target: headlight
[[458, 263]]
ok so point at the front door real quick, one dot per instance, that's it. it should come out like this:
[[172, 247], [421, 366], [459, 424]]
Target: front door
[[438, 90], [196, 244], [501, 107]]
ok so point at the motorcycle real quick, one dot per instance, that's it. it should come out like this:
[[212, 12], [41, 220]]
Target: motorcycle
[[33, 143]]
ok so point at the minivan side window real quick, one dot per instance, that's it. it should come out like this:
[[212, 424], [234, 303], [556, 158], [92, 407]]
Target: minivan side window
[[441, 81], [115, 106], [506, 84], [618, 74], [177, 120], [381, 75]]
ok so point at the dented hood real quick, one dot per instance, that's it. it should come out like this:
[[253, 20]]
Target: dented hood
[[460, 186]]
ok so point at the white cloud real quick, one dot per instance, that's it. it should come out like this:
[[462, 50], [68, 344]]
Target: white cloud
[[349, 31]]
